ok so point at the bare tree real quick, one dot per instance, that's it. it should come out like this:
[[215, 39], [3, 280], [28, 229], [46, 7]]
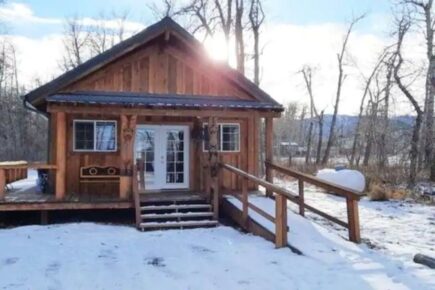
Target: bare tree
[[203, 11], [403, 26], [340, 80], [75, 41], [307, 74], [104, 34], [166, 8], [424, 9], [256, 19], [382, 154], [239, 38], [367, 84], [226, 20]]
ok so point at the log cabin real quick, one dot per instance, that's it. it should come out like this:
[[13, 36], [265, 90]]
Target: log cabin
[[154, 125], [148, 121]]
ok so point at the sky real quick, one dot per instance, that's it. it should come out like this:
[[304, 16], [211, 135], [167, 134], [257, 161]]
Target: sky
[[295, 33]]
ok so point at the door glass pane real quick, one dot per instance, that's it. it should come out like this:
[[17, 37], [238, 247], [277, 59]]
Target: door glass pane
[[145, 151], [175, 156]]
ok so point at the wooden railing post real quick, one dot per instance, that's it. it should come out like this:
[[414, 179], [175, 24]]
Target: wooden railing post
[[136, 197], [2, 184], [269, 151], [301, 197], [280, 221], [353, 220], [245, 201]]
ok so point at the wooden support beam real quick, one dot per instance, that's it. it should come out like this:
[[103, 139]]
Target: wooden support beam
[[213, 161], [301, 197], [269, 151], [353, 220], [245, 201], [44, 217], [128, 126], [60, 155], [2, 184], [280, 221]]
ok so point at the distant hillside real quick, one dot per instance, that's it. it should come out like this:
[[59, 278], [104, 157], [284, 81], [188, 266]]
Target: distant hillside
[[348, 123]]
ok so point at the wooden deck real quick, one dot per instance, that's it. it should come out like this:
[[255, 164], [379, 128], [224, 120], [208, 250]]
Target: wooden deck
[[31, 199]]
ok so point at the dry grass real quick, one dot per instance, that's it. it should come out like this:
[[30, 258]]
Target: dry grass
[[383, 192]]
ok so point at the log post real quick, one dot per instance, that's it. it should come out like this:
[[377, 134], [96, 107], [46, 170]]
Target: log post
[[213, 161], [353, 220], [60, 155], [136, 197], [140, 165], [280, 221], [301, 197], [269, 151], [2, 184], [128, 125], [245, 201]]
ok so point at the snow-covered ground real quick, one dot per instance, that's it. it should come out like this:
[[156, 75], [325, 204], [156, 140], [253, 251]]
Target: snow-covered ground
[[93, 256], [399, 229], [377, 269]]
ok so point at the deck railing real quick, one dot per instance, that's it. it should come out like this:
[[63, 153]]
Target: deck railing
[[282, 195], [352, 197], [17, 171]]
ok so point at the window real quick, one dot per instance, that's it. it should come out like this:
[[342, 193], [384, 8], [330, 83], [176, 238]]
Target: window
[[94, 135], [228, 138]]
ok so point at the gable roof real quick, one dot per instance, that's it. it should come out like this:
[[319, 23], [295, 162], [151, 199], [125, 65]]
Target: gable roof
[[38, 95]]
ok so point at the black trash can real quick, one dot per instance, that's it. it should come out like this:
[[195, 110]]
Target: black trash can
[[43, 180]]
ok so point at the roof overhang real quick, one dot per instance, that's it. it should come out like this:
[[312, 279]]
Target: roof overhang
[[171, 101]]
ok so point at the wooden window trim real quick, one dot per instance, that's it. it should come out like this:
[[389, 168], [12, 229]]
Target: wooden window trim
[[220, 141], [94, 150]]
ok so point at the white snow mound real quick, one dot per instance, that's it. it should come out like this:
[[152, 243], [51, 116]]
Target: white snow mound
[[352, 179]]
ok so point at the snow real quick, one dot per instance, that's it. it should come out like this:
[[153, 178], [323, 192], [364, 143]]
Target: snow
[[96, 256], [349, 178], [378, 270], [26, 185], [10, 163], [93, 256]]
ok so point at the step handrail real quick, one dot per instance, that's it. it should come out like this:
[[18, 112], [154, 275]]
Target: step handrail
[[352, 197]]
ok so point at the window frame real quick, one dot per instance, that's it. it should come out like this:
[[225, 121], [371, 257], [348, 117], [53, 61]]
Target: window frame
[[220, 125], [94, 122]]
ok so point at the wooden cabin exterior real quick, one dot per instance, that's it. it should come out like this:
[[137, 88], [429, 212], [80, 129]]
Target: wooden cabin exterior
[[152, 120], [132, 101]]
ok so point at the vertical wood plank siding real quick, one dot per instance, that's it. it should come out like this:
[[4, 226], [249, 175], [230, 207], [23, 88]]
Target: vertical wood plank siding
[[160, 68]]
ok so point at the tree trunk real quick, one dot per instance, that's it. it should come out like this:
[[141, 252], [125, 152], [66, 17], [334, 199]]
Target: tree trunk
[[413, 153], [320, 139], [308, 154], [238, 32]]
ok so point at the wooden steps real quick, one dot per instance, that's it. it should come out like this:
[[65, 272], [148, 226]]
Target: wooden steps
[[177, 213], [175, 207], [181, 224]]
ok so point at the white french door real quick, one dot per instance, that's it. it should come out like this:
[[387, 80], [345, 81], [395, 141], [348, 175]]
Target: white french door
[[163, 151]]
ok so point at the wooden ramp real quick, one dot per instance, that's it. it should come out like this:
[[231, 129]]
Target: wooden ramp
[[279, 196]]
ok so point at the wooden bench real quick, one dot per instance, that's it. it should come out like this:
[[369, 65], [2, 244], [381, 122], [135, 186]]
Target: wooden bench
[[100, 174]]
